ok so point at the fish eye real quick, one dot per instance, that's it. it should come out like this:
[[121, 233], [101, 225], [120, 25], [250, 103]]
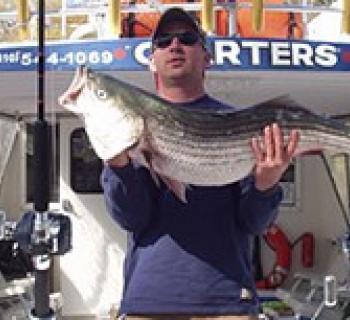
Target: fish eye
[[102, 94]]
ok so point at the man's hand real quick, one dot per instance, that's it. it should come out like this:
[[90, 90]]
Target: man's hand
[[121, 160], [274, 157]]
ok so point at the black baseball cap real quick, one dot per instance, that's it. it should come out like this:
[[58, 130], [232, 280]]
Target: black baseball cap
[[177, 14]]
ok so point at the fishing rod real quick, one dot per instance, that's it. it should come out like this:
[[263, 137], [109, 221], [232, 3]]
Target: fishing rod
[[40, 233], [41, 262], [50, 233]]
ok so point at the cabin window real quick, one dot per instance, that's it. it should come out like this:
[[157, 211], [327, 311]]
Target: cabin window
[[54, 163], [86, 167]]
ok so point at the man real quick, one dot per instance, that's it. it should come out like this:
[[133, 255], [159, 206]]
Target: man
[[192, 261]]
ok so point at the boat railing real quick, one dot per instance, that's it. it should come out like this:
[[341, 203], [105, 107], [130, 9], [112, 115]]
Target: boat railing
[[103, 18]]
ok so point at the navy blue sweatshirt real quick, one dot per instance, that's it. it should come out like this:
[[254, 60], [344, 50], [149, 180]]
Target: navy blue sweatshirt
[[191, 258]]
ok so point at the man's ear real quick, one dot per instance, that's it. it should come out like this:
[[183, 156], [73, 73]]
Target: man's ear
[[151, 64], [153, 69], [208, 58]]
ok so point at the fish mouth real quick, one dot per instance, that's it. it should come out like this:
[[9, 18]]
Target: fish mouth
[[81, 75]]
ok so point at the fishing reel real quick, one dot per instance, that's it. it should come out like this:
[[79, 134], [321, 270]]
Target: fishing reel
[[42, 235], [14, 263]]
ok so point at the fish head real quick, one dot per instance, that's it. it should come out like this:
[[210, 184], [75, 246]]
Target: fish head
[[106, 105], [91, 91], [87, 91]]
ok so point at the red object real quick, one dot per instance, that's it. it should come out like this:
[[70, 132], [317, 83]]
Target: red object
[[307, 250], [346, 56], [278, 242], [276, 24]]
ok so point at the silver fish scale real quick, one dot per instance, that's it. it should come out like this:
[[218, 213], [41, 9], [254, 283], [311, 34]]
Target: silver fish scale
[[202, 162], [233, 125], [211, 147], [176, 135]]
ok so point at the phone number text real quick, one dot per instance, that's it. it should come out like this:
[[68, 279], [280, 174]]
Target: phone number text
[[55, 58]]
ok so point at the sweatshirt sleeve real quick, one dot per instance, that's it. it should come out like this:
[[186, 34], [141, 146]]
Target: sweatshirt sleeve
[[130, 194], [258, 209]]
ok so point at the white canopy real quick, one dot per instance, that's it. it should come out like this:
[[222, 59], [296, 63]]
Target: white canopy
[[323, 92]]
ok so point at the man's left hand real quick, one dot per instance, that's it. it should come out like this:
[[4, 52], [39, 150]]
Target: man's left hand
[[273, 157]]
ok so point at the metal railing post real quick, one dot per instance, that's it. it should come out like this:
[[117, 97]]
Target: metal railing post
[[22, 19], [208, 16], [114, 18]]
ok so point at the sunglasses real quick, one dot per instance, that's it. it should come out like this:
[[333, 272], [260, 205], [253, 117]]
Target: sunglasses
[[186, 38]]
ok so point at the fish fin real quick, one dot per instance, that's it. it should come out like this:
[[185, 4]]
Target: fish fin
[[177, 187], [154, 177], [144, 154], [137, 155], [141, 160], [68, 98], [141, 155], [284, 100]]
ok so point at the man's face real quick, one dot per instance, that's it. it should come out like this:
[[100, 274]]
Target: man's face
[[179, 61]]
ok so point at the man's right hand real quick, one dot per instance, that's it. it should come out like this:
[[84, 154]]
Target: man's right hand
[[121, 160]]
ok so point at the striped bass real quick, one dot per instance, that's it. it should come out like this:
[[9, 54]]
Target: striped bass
[[189, 146]]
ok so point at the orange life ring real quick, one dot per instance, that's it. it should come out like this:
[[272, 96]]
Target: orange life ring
[[278, 242]]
